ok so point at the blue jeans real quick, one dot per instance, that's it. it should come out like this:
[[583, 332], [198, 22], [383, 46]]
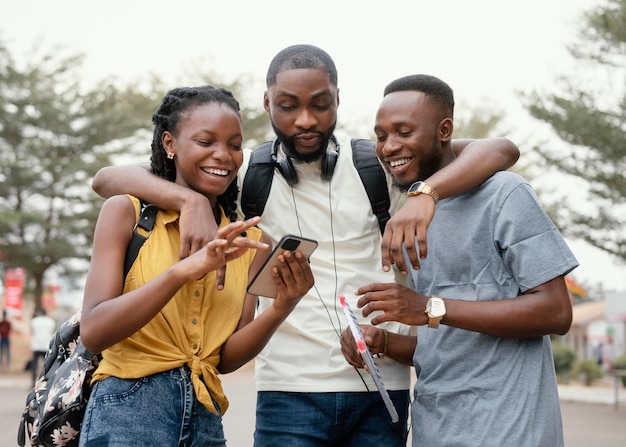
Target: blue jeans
[[329, 419], [158, 410], [5, 351]]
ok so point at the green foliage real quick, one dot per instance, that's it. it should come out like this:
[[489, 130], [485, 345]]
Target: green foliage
[[590, 117], [589, 370], [564, 358], [54, 136], [484, 121], [620, 363]]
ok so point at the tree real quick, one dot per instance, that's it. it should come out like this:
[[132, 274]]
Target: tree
[[54, 136], [484, 121], [589, 115]]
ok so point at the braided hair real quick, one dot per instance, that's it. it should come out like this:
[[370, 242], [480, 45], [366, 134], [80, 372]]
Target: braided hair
[[174, 108]]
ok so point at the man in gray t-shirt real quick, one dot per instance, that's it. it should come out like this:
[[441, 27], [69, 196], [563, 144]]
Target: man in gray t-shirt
[[486, 298]]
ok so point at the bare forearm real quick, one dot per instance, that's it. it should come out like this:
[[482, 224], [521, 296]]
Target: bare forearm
[[246, 343], [401, 347], [525, 316], [128, 313], [543, 310], [138, 181]]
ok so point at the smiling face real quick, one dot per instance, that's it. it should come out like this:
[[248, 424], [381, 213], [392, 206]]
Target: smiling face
[[207, 148], [302, 105], [412, 134]]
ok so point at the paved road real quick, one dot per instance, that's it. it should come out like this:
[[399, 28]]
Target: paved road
[[586, 424]]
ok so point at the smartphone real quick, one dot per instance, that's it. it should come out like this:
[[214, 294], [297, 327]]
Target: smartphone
[[263, 284]]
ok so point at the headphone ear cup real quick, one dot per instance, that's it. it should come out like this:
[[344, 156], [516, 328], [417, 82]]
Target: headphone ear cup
[[328, 164], [286, 168]]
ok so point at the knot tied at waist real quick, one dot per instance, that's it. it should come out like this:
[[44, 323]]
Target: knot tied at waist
[[206, 384]]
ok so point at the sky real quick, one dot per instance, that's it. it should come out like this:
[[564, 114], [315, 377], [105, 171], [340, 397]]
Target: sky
[[487, 50]]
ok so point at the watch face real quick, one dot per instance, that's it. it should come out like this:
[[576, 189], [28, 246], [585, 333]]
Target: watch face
[[414, 187], [436, 307]]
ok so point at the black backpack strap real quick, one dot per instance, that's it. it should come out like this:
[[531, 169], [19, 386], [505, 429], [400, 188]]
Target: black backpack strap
[[373, 178], [257, 181], [146, 223]]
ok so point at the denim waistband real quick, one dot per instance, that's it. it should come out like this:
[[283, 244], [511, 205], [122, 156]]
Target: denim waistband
[[178, 372]]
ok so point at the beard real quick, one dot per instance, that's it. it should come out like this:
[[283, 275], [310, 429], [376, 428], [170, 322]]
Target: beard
[[289, 144], [429, 164]]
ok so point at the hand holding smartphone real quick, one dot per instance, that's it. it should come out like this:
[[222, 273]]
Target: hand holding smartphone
[[263, 284]]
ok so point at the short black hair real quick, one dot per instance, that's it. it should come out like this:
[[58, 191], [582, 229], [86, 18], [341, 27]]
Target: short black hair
[[301, 56], [173, 109], [431, 86]]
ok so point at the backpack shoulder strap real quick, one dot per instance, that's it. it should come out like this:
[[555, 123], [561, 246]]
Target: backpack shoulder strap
[[257, 181], [373, 178], [146, 223]]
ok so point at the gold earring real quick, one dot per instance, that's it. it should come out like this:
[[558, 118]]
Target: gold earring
[[170, 155]]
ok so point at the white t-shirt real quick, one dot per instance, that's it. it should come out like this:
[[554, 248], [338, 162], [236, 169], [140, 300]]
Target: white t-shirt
[[305, 353], [41, 329]]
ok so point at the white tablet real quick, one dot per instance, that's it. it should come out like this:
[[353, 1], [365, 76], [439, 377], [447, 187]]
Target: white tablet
[[367, 357]]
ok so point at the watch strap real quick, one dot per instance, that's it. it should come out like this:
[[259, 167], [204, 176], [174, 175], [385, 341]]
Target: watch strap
[[433, 321], [424, 188]]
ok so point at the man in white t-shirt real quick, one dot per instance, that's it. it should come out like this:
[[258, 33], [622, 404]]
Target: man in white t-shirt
[[42, 329]]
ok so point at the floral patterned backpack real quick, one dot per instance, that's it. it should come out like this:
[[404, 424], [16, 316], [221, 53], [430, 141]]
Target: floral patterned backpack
[[55, 407]]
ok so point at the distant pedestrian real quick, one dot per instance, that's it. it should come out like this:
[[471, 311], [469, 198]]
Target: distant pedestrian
[[599, 353], [42, 329], [5, 343]]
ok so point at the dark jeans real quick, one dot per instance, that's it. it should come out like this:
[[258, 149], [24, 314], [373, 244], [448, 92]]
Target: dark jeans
[[358, 419], [5, 351]]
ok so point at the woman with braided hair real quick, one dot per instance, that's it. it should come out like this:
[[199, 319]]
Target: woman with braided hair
[[169, 333]]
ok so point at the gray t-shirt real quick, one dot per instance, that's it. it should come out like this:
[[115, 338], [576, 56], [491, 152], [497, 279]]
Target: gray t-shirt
[[473, 389]]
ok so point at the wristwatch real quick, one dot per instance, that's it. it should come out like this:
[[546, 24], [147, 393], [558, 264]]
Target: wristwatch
[[436, 310], [422, 188]]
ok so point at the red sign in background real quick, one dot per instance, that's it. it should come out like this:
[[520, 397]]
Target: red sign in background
[[14, 291]]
